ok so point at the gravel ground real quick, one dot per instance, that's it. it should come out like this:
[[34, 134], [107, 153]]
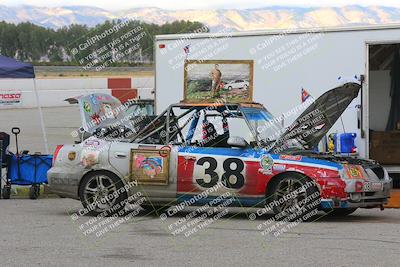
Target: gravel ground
[[42, 232]]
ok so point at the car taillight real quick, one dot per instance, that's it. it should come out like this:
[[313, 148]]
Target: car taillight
[[56, 151]]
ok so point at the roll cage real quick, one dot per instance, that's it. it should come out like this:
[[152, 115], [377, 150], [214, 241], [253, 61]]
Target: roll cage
[[167, 128]]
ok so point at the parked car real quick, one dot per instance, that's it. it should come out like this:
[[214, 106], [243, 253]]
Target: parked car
[[190, 148], [237, 84]]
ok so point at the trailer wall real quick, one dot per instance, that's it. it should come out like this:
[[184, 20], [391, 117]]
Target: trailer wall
[[313, 60]]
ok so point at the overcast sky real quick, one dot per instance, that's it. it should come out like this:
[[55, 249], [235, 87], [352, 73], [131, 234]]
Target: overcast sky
[[184, 4]]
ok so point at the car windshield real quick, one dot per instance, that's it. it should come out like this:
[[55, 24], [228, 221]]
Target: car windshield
[[266, 128]]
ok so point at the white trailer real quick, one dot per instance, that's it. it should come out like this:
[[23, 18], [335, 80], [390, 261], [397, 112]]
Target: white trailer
[[286, 61]]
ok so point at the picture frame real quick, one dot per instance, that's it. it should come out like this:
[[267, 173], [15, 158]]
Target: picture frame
[[149, 166], [211, 80]]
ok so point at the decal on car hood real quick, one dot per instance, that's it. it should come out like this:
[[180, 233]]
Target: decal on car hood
[[309, 128]]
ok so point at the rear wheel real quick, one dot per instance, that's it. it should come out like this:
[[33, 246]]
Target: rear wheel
[[100, 192], [294, 197], [340, 212]]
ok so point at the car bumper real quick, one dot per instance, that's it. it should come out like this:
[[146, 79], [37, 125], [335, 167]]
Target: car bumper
[[65, 182], [368, 199]]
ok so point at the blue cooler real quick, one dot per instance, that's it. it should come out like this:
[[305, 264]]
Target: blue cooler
[[345, 142]]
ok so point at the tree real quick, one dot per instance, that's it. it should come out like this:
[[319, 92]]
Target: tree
[[74, 44]]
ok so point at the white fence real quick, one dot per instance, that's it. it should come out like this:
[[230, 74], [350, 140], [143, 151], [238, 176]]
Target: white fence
[[18, 107], [19, 93]]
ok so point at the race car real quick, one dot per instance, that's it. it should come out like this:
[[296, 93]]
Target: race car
[[210, 149]]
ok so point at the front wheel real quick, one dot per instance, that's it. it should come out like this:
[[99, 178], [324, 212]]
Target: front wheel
[[340, 212], [102, 192], [294, 197]]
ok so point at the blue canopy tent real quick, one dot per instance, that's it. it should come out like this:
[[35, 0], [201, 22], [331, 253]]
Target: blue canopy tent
[[13, 69]]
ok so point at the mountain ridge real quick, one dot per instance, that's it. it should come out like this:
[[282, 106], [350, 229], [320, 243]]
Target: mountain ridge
[[271, 17]]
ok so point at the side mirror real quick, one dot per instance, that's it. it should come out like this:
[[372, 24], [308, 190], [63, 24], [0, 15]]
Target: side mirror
[[236, 141]]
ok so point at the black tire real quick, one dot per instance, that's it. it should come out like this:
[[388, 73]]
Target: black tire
[[294, 197], [6, 192], [34, 192], [340, 212], [93, 190]]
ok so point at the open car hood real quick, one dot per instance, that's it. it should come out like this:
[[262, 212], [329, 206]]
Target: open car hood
[[315, 122], [97, 110]]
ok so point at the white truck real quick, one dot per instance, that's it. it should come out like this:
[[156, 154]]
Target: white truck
[[287, 61]]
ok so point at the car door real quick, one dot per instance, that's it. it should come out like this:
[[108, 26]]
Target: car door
[[212, 172], [220, 167], [152, 167]]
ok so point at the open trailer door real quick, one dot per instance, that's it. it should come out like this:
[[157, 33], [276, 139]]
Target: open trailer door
[[383, 110], [383, 104]]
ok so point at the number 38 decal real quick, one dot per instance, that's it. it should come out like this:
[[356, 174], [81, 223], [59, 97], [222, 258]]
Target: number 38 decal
[[226, 178]]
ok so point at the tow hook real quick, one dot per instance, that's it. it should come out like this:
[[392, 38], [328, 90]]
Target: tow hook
[[382, 208]]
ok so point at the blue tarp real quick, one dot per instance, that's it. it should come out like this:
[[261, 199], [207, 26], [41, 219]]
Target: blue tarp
[[32, 169], [11, 68]]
